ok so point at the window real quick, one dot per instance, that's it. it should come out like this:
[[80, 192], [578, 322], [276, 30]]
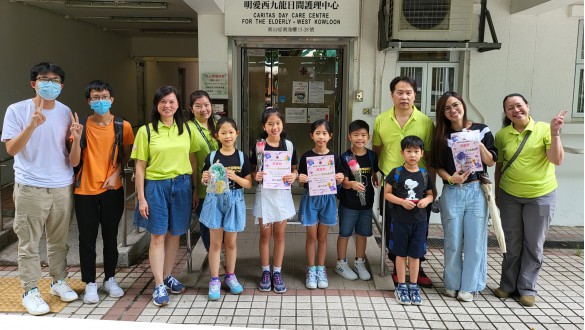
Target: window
[[578, 93], [432, 80]]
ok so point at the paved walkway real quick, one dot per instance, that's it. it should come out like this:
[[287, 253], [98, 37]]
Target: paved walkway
[[346, 304]]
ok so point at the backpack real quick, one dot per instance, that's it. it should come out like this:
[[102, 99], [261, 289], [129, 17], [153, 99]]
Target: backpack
[[212, 157], [118, 143], [397, 177]]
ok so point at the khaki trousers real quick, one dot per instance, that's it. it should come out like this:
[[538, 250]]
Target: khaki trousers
[[38, 210]]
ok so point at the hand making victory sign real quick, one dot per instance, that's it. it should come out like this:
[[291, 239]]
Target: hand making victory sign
[[557, 122], [38, 118]]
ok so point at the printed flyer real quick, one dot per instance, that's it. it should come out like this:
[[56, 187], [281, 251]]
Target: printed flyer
[[321, 173], [466, 154], [276, 165]]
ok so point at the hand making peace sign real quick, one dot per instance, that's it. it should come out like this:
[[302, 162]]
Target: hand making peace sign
[[38, 117], [76, 127], [557, 122]]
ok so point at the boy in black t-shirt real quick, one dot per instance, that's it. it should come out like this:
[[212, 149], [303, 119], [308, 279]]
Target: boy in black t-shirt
[[409, 190], [355, 211]]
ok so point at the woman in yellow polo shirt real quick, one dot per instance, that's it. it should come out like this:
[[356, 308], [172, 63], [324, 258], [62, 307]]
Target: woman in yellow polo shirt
[[525, 193], [166, 169]]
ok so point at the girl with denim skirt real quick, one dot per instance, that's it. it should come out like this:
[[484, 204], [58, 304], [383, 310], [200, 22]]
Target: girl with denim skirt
[[464, 212], [166, 168], [225, 213], [318, 213], [273, 208]]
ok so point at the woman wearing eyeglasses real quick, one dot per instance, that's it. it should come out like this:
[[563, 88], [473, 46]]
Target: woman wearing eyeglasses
[[526, 193], [463, 206]]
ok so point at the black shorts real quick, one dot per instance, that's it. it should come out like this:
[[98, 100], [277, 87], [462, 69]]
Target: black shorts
[[408, 239]]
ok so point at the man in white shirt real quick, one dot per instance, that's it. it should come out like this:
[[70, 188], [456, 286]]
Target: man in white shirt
[[36, 132]]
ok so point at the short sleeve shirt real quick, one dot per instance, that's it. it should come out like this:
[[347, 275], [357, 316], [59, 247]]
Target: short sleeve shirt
[[410, 186], [44, 160], [531, 174], [230, 162], [368, 164], [205, 141], [487, 139], [388, 134], [167, 154], [311, 153], [97, 156], [281, 147]]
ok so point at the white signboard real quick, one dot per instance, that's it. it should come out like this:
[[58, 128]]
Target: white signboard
[[216, 84], [295, 115], [328, 18]]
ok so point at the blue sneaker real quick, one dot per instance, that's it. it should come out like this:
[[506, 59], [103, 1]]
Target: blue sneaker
[[265, 283], [311, 282], [401, 294], [233, 284], [160, 297], [214, 290], [414, 292], [279, 286], [173, 284]]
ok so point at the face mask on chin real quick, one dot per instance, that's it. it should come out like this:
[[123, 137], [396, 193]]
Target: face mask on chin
[[48, 90], [101, 107]]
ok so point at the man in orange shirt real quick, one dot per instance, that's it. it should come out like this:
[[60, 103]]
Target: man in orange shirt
[[99, 195]]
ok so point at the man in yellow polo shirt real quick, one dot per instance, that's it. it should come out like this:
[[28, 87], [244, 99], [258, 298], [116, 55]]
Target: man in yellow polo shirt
[[390, 127]]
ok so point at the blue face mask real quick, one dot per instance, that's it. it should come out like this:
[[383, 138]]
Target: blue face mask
[[48, 90], [101, 107]]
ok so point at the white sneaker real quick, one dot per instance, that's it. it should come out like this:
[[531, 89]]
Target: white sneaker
[[465, 296], [90, 295], [34, 303], [112, 288], [360, 268], [343, 269], [62, 289], [450, 293]]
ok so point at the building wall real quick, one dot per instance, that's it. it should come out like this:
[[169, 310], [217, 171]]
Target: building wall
[[537, 59]]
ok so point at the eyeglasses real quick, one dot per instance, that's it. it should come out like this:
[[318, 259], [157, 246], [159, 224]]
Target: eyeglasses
[[56, 80], [201, 106], [97, 98], [452, 107]]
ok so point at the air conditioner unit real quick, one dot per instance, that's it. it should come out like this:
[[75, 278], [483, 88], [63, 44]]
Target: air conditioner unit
[[429, 20]]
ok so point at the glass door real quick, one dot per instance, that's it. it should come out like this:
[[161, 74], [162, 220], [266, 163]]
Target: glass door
[[303, 84]]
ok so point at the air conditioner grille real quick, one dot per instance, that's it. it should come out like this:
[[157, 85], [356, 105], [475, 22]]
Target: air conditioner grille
[[425, 14]]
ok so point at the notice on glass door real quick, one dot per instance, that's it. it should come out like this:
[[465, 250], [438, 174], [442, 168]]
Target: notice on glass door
[[295, 115], [318, 113], [300, 90], [316, 92]]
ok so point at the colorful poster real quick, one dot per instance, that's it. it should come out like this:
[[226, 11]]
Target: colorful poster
[[321, 173], [276, 165], [466, 154]]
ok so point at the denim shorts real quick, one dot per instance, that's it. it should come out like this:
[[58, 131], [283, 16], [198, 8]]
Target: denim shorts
[[322, 209], [169, 206], [227, 211], [358, 220], [409, 239]]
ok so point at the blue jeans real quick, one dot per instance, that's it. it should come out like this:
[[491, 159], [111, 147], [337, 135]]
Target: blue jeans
[[464, 216], [358, 220], [169, 206]]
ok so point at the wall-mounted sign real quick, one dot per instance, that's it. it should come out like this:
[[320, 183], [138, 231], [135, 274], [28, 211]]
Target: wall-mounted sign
[[292, 18], [215, 84]]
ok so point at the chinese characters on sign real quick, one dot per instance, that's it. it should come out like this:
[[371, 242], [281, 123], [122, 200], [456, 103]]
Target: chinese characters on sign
[[276, 165], [216, 84], [292, 18], [465, 148], [321, 173]]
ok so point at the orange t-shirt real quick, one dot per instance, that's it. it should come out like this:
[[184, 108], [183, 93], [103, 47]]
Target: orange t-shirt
[[97, 156]]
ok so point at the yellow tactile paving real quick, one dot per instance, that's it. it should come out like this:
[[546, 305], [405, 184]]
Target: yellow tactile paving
[[11, 293]]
